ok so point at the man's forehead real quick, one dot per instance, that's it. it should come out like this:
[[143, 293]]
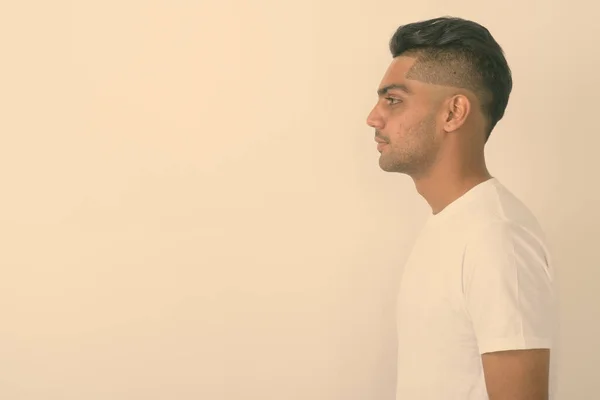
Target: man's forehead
[[396, 73], [402, 75], [399, 67]]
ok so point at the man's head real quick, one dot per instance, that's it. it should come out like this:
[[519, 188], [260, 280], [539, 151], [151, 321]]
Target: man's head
[[448, 82]]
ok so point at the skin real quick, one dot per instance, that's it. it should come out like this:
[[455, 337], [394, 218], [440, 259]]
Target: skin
[[436, 135]]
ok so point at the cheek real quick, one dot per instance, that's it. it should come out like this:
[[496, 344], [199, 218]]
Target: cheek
[[404, 135], [398, 129]]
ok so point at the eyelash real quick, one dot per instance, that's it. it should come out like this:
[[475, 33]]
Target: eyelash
[[390, 100]]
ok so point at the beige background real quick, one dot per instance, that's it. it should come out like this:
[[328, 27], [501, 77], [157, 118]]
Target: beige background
[[192, 207]]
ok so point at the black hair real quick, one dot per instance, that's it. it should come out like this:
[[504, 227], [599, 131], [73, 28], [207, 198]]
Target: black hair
[[458, 52]]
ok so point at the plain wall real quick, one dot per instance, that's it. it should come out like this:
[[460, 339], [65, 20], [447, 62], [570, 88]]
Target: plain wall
[[192, 207]]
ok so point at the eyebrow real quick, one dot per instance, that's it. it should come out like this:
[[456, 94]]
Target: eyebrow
[[384, 90]]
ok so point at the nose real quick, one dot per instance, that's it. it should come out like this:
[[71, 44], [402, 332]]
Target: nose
[[374, 119]]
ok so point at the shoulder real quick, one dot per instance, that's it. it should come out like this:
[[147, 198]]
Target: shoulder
[[499, 231], [501, 247], [504, 225]]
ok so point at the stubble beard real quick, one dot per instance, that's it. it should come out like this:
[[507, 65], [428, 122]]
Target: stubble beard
[[416, 157]]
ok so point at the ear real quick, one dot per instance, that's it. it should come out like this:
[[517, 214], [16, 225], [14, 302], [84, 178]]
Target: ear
[[458, 108]]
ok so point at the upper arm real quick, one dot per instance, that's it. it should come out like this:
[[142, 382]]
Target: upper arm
[[517, 374], [509, 296]]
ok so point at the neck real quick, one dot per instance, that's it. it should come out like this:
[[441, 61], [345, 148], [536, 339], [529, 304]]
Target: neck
[[447, 181]]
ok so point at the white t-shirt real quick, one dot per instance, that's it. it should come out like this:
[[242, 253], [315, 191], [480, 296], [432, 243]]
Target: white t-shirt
[[479, 279]]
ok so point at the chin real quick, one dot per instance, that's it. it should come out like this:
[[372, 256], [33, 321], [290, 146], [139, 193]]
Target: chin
[[387, 166], [391, 166]]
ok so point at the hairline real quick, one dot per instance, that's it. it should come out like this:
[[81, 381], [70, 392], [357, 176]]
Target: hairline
[[482, 96]]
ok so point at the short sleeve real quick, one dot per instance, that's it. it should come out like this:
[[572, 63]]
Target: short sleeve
[[508, 289]]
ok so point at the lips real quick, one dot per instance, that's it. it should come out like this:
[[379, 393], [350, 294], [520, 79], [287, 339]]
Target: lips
[[380, 143]]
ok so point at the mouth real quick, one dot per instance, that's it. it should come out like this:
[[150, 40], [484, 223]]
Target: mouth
[[380, 143]]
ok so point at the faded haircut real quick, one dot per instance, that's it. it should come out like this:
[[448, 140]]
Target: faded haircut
[[460, 53]]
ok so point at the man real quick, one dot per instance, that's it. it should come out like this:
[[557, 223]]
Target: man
[[476, 300]]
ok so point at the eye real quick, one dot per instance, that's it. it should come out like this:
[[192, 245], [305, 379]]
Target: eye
[[392, 101]]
